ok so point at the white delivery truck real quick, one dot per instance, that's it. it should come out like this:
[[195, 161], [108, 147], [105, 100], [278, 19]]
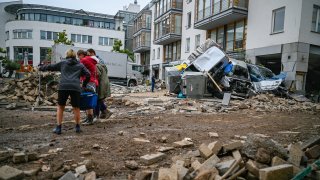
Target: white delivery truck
[[120, 69]]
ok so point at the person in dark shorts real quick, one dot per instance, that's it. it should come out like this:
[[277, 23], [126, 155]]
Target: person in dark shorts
[[69, 86]]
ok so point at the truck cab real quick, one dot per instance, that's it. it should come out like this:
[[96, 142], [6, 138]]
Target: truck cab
[[134, 74]]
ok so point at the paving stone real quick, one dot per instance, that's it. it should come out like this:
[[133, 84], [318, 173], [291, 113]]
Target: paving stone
[[10, 173], [4, 155], [91, 176], [205, 152], [68, 176], [19, 157], [209, 163], [168, 174], [281, 172], [182, 171], [215, 147], [86, 153], [232, 146], [224, 166], [263, 156], [295, 154], [213, 134], [314, 152], [152, 158], [165, 149], [140, 140], [278, 161], [183, 143], [207, 174], [195, 165], [32, 156], [81, 169], [252, 168]]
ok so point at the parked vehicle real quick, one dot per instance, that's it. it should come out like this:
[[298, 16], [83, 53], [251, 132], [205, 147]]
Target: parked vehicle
[[120, 69]]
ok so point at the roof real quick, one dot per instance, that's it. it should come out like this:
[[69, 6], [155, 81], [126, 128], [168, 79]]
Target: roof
[[15, 8]]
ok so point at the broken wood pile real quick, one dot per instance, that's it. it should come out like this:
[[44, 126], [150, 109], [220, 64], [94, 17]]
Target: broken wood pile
[[255, 156]]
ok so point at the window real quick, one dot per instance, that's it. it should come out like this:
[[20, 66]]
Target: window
[[48, 35], [316, 19], [188, 45], [158, 55], [230, 37], [23, 53], [197, 41], [104, 41], [189, 20], [239, 35], [189, 1], [45, 55], [22, 34], [172, 51], [7, 35], [153, 54], [78, 38], [278, 20]]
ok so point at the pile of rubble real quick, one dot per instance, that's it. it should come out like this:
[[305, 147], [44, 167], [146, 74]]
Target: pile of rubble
[[27, 89], [255, 156]]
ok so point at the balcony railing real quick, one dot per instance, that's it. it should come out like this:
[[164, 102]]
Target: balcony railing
[[142, 46], [221, 6], [142, 25]]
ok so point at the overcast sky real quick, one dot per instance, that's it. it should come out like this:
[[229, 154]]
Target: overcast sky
[[101, 6]]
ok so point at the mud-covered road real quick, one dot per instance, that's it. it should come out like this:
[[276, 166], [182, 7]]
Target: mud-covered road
[[22, 130]]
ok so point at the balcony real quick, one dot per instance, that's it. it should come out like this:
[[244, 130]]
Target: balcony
[[141, 27], [161, 9], [168, 38], [221, 13], [168, 29], [140, 47]]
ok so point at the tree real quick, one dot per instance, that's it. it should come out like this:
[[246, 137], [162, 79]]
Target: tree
[[63, 39], [117, 48]]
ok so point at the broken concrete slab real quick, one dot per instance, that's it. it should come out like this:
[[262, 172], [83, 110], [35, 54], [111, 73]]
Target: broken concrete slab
[[165, 149], [133, 165], [183, 144], [224, 166], [182, 171], [195, 165], [256, 141], [143, 175], [313, 152], [152, 158], [4, 155], [310, 142], [31, 172], [81, 169], [9, 173], [213, 134], [235, 145], [278, 161], [215, 147], [168, 174], [90, 176], [295, 154], [280, 172], [205, 152], [68, 176], [252, 168]]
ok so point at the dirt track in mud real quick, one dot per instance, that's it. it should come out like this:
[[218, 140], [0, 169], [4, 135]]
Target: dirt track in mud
[[108, 161]]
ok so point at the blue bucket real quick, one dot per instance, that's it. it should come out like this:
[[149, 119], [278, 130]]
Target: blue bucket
[[88, 100]]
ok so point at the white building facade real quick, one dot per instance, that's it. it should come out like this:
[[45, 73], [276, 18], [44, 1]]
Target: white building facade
[[31, 33]]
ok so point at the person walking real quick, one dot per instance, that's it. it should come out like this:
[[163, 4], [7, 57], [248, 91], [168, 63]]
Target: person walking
[[153, 82], [103, 89], [90, 64], [71, 71]]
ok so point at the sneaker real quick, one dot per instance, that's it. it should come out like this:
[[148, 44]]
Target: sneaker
[[89, 121], [78, 130], [95, 119], [57, 130]]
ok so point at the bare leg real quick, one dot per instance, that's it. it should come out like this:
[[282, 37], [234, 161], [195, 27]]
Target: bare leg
[[60, 110], [76, 112]]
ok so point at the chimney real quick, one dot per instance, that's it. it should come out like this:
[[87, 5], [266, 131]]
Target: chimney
[[135, 2]]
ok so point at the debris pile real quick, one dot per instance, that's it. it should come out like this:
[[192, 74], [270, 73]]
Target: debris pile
[[255, 156], [27, 89]]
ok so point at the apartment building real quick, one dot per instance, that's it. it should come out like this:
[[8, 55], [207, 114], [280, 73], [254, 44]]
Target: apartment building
[[142, 37], [30, 30]]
